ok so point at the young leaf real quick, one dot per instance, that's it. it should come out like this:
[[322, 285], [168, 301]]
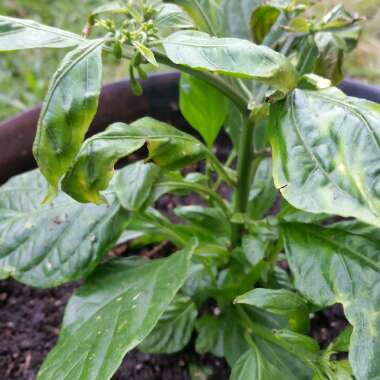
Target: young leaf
[[204, 107], [112, 313], [231, 56], [94, 165], [45, 246], [18, 34], [330, 265], [145, 52], [68, 110], [277, 301], [173, 331], [134, 183], [326, 153]]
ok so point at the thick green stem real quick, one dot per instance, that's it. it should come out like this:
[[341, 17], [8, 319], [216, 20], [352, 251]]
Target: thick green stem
[[245, 159]]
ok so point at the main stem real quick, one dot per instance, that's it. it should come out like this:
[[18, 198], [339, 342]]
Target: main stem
[[245, 159]]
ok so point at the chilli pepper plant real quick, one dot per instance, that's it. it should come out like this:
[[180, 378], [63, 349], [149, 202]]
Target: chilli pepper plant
[[249, 270]]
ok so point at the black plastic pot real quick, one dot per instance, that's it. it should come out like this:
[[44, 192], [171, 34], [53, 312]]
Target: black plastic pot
[[117, 103]]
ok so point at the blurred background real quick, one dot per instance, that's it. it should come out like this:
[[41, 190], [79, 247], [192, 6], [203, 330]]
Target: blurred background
[[24, 76]]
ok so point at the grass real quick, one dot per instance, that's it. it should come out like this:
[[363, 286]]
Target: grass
[[24, 76]]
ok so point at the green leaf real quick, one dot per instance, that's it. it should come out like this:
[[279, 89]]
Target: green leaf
[[145, 52], [277, 301], [112, 313], [326, 153], [212, 220], [254, 247], [94, 165], [342, 342], [331, 265], [171, 17], [206, 16], [210, 335], [46, 246], [68, 110], [267, 361], [204, 107], [231, 56], [134, 183], [221, 335], [173, 331], [262, 193], [262, 20], [237, 14], [18, 34], [113, 7]]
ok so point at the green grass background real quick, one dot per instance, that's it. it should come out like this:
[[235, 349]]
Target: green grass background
[[24, 76]]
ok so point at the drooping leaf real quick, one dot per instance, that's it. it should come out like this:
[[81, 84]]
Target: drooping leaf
[[326, 150], [47, 245], [204, 107], [277, 301], [331, 265], [68, 109], [231, 56], [173, 331], [262, 193], [94, 166], [112, 313], [18, 34], [134, 183]]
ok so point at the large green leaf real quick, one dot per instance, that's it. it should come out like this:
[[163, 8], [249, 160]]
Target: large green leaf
[[332, 265], [17, 34], [48, 245], [68, 110], [173, 331], [113, 312], [94, 166], [231, 56], [204, 107], [326, 153]]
